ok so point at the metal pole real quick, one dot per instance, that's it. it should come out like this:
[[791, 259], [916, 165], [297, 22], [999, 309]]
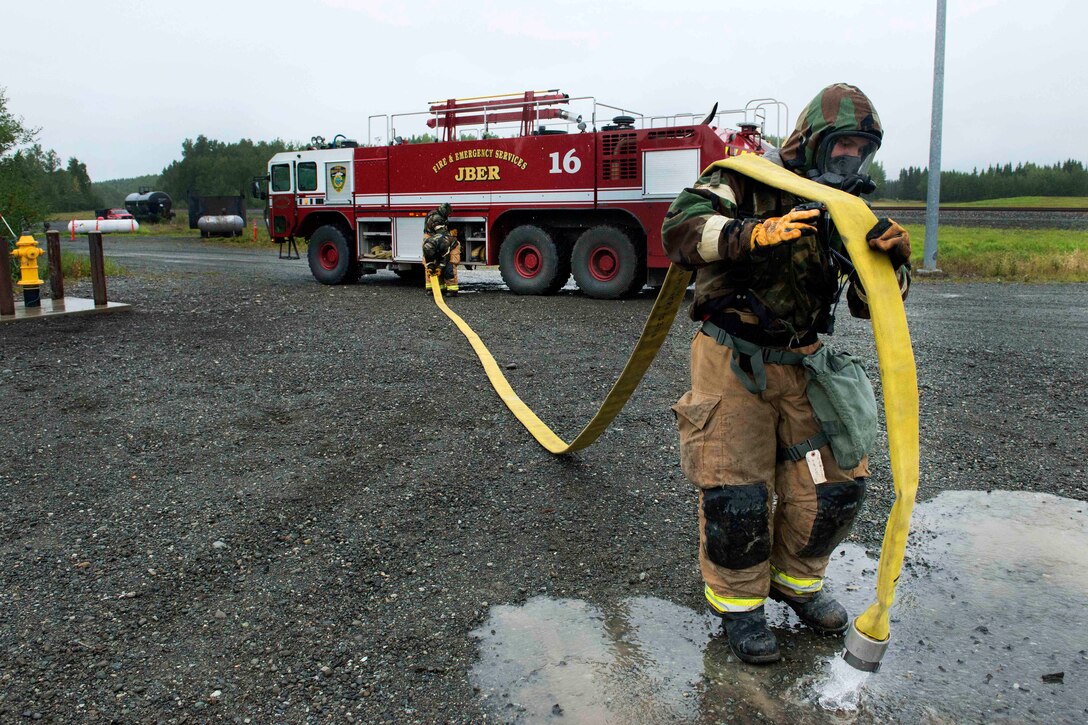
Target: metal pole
[[56, 269], [98, 271], [933, 193]]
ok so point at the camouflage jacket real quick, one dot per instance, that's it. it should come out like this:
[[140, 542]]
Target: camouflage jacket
[[436, 221], [437, 246], [777, 296]]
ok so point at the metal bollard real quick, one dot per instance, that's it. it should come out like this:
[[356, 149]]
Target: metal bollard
[[56, 269], [7, 301], [98, 268]]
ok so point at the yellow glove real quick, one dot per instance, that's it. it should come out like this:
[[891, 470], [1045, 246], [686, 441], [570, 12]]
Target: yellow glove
[[887, 236], [786, 228]]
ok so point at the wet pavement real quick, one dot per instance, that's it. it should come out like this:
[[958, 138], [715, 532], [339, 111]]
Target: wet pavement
[[989, 626]]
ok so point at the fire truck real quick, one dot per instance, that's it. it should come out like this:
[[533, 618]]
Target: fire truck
[[537, 187]]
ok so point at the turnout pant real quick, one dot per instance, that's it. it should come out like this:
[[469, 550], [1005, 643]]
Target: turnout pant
[[449, 269], [762, 521], [447, 272]]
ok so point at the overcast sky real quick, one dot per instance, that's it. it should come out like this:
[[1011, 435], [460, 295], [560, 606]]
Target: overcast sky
[[120, 84]]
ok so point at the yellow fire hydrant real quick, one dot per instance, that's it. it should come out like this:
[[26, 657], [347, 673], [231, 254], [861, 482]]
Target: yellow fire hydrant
[[27, 252]]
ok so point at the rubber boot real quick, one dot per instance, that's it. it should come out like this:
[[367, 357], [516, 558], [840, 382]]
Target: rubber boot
[[749, 637], [821, 613]]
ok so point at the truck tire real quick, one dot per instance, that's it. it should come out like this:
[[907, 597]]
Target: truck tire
[[606, 265], [532, 263], [330, 256]]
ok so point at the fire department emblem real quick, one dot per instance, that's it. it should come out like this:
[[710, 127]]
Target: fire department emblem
[[338, 175]]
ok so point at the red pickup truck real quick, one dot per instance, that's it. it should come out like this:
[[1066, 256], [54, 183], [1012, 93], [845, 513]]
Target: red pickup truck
[[113, 214]]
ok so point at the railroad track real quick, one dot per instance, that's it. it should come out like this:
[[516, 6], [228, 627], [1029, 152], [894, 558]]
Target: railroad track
[[981, 209], [999, 217]]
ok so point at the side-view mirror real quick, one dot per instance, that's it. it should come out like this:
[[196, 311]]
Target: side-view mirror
[[257, 192]]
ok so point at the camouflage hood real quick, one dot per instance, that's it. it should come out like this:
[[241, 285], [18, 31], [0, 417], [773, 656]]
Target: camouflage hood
[[839, 107]]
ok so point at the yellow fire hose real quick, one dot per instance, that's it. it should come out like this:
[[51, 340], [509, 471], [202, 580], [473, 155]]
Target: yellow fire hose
[[657, 327], [868, 638]]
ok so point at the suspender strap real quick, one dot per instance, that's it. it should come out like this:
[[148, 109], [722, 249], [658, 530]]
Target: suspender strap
[[757, 354]]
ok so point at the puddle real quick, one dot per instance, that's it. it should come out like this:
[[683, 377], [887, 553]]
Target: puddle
[[991, 600]]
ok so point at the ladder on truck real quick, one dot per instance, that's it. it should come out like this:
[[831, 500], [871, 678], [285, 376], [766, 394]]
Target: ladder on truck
[[529, 108]]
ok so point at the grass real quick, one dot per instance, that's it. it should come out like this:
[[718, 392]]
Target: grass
[[980, 253], [1027, 202], [1024, 202], [74, 267], [178, 228], [1011, 255]]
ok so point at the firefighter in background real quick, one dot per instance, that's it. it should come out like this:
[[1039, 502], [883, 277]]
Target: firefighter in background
[[764, 289], [437, 220], [441, 249]]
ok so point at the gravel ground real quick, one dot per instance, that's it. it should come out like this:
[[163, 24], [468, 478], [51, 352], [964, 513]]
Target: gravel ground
[[257, 497]]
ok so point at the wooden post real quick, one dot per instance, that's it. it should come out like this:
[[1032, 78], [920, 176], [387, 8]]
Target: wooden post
[[7, 302], [98, 268], [56, 269]]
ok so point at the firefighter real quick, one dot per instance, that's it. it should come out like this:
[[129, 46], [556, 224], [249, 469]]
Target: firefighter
[[765, 287], [441, 248], [437, 220]]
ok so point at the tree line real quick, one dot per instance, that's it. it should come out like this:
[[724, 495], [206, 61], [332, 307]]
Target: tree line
[[208, 167], [1069, 178], [33, 181], [114, 191]]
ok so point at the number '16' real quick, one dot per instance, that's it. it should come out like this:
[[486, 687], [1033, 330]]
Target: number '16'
[[571, 163]]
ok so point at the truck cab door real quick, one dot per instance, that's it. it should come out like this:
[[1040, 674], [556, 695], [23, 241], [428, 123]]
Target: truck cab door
[[281, 200]]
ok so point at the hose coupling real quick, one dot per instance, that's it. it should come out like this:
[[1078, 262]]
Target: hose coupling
[[862, 652]]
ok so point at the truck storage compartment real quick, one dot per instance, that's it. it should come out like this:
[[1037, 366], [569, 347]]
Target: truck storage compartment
[[472, 233], [376, 238]]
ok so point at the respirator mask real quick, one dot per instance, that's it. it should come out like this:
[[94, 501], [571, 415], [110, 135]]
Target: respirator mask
[[843, 159]]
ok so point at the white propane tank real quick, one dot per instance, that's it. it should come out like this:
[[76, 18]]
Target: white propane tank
[[106, 226], [220, 225]]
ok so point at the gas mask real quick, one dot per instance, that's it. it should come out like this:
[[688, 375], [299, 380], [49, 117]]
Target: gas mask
[[843, 159]]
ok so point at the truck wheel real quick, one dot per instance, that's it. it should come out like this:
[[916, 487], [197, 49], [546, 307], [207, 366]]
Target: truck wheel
[[531, 263], [606, 265], [330, 257]]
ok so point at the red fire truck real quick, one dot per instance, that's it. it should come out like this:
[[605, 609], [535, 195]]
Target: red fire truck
[[556, 196]]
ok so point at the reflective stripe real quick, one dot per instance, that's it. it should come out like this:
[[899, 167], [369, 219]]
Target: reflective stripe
[[708, 242], [732, 604], [795, 584]]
